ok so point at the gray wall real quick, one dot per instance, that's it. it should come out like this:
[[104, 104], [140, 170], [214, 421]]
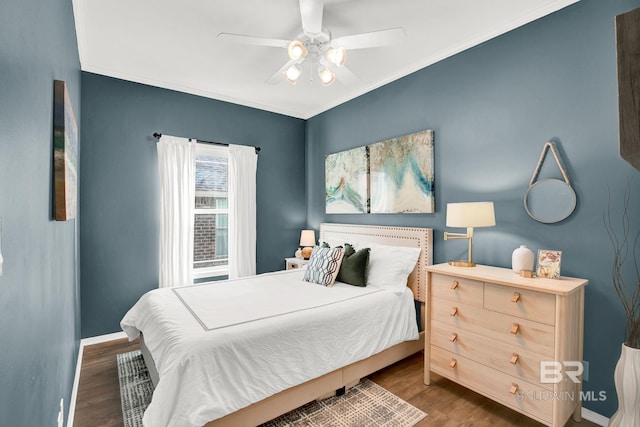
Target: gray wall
[[120, 186], [39, 290], [492, 109]]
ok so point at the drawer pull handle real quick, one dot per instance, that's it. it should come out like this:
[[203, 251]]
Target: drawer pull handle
[[515, 297], [514, 388], [454, 285], [453, 363], [514, 358], [515, 328], [454, 311], [453, 337]]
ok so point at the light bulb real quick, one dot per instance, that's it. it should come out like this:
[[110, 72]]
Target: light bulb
[[296, 50], [337, 56], [292, 74], [326, 77]]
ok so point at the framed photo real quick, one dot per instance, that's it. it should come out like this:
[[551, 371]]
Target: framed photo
[[549, 263]]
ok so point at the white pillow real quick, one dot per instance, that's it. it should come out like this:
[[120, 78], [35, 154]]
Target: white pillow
[[390, 266]]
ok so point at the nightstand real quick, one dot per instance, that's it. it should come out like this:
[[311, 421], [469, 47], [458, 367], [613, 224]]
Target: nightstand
[[292, 263]]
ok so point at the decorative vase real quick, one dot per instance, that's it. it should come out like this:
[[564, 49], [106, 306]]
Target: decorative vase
[[522, 259], [627, 381]]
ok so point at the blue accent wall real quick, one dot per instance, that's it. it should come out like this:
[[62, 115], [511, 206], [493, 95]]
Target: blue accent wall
[[120, 195], [39, 286], [493, 108]]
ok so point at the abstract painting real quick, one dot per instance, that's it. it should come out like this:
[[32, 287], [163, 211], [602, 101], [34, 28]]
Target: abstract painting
[[402, 174], [65, 154], [347, 181]]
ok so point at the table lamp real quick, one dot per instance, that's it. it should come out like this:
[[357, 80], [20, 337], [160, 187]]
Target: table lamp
[[469, 215], [307, 240]]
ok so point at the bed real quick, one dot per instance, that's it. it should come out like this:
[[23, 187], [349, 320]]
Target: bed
[[217, 365]]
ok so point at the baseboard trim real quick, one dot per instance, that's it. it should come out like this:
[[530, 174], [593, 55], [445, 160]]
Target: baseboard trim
[[74, 391], [102, 338], [594, 417], [76, 380]]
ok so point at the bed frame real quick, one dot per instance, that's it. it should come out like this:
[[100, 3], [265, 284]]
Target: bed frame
[[348, 376]]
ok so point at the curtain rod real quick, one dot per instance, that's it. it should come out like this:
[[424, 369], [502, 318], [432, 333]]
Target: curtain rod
[[157, 135]]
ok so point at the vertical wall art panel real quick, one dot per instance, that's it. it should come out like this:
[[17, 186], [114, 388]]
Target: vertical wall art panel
[[401, 174], [65, 154], [347, 181]]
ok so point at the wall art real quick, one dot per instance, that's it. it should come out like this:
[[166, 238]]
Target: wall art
[[401, 174], [391, 176], [347, 181], [65, 154]]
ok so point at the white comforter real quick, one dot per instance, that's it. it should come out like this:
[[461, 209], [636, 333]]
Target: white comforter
[[220, 347]]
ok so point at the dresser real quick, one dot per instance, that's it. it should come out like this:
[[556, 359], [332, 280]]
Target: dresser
[[515, 340]]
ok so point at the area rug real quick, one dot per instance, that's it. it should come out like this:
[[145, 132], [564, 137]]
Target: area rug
[[366, 404]]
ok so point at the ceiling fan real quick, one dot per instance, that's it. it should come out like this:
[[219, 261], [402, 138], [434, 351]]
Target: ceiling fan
[[316, 47]]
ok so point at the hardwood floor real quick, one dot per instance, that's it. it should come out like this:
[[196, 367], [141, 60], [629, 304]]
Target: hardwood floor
[[446, 403], [98, 401]]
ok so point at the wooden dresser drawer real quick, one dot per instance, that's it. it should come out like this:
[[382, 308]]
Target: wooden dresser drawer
[[464, 291], [514, 331], [510, 359], [511, 391], [538, 306]]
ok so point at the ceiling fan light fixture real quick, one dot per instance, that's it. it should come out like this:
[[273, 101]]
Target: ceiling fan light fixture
[[292, 74], [326, 77], [337, 56], [296, 50]]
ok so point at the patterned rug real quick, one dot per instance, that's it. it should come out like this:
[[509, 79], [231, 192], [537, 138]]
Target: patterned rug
[[366, 404]]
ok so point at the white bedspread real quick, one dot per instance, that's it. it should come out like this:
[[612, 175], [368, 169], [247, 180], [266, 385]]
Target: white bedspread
[[222, 346]]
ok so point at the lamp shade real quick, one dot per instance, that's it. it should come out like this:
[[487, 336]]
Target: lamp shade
[[308, 238], [472, 214], [296, 50], [292, 73], [326, 77], [337, 56]]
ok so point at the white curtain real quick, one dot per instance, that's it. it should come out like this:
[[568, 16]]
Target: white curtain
[[177, 165], [242, 211]]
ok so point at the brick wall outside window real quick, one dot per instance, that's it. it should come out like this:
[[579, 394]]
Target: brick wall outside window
[[204, 247], [210, 229]]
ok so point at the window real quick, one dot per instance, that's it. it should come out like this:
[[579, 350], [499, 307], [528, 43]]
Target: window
[[211, 232]]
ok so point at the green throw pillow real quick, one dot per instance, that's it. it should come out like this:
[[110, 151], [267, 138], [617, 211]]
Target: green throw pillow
[[354, 266]]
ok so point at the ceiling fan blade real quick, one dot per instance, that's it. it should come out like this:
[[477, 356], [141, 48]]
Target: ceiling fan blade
[[260, 41], [311, 15], [372, 39], [277, 77]]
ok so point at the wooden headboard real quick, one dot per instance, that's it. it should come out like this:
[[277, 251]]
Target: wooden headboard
[[389, 235]]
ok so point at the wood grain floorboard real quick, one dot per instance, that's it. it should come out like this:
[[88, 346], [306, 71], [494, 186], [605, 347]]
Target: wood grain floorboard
[[98, 402], [446, 403]]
